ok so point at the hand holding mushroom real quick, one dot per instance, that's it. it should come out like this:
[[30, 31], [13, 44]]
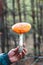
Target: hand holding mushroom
[[21, 28]]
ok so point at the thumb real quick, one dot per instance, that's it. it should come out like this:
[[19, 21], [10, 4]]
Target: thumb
[[16, 49]]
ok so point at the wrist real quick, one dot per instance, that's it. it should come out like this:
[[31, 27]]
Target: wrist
[[9, 58]]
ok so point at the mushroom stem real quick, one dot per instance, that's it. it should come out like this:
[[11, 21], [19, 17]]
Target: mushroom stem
[[20, 42]]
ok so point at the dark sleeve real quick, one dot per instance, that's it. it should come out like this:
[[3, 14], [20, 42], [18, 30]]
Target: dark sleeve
[[4, 59]]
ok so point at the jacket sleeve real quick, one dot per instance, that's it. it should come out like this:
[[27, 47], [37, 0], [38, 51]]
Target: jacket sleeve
[[4, 59]]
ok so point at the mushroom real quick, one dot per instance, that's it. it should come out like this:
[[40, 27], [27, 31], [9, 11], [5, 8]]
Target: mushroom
[[21, 28]]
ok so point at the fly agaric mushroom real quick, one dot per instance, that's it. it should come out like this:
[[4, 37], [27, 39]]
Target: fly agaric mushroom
[[21, 28]]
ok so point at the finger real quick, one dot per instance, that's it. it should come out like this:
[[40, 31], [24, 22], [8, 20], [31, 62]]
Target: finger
[[20, 56], [23, 53], [16, 49], [25, 49]]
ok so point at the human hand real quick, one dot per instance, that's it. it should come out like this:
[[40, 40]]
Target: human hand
[[15, 56]]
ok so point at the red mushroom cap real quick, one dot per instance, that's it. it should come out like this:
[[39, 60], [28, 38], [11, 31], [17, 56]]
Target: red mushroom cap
[[21, 28]]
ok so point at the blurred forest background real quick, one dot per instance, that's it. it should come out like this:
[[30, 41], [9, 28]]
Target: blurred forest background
[[14, 11]]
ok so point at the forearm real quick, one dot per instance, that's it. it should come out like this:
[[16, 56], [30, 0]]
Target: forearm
[[4, 59]]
